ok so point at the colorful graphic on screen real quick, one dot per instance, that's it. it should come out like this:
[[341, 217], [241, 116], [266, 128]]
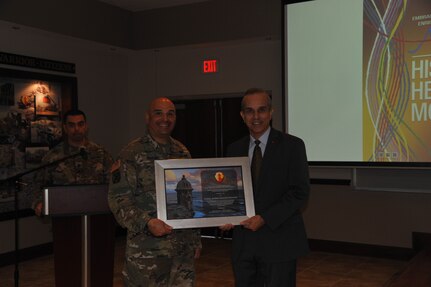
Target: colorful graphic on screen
[[397, 81]]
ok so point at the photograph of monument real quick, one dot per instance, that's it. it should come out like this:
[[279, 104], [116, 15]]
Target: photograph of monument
[[204, 192]]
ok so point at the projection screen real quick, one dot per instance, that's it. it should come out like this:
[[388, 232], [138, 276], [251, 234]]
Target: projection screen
[[357, 80]]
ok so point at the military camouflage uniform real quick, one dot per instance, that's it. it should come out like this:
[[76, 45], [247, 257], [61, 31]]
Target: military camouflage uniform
[[94, 169], [150, 260]]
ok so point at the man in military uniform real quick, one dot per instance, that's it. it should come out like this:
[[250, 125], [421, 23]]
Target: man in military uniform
[[91, 166], [156, 255]]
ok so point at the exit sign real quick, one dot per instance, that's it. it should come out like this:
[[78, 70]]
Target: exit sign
[[210, 66]]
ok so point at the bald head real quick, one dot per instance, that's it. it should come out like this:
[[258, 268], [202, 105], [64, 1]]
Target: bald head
[[160, 118], [158, 102]]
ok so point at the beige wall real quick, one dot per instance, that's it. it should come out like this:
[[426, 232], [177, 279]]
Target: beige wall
[[340, 213], [176, 72], [205, 22], [86, 19]]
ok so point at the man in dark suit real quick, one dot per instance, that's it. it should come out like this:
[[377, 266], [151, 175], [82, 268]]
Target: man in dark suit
[[266, 246]]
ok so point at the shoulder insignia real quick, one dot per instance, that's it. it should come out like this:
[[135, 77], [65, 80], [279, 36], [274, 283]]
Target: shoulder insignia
[[115, 171], [115, 166]]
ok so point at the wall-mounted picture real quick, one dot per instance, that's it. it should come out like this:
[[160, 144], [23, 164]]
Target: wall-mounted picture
[[5, 155], [46, 131], [204, 192], [34, 155], [7, 94], [31, 105], [42, 96]]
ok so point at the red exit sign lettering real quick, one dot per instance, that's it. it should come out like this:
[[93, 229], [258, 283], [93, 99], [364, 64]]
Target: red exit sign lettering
[[210, 66]]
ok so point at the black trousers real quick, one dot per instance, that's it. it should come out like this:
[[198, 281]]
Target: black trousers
[[252, 269]]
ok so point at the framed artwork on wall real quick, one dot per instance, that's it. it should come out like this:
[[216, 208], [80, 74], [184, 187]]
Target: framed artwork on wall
[[31, 107]]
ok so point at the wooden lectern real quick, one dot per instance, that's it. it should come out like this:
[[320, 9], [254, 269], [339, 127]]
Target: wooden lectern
[[83, 234]]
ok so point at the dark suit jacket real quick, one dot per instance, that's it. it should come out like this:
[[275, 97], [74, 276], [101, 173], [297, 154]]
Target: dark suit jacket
[[282, 192]]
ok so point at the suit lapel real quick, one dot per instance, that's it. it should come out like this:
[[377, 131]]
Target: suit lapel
[[245, 143], [269, 155]]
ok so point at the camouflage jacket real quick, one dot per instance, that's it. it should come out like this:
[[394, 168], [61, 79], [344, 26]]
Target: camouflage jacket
[[90, 169], [132, 198]]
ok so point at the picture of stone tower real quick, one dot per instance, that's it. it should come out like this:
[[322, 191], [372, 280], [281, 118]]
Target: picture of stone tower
[[184, 194]]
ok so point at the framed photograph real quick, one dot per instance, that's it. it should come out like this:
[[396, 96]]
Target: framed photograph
[[31, 105], [45, 131], [204, 192], [34, 155]]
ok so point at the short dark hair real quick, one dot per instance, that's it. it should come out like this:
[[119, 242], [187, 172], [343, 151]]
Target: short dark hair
[[74, 112], [253, 91]]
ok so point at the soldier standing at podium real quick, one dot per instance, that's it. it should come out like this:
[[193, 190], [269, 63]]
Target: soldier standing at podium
[[156, 255], [91, 167]]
